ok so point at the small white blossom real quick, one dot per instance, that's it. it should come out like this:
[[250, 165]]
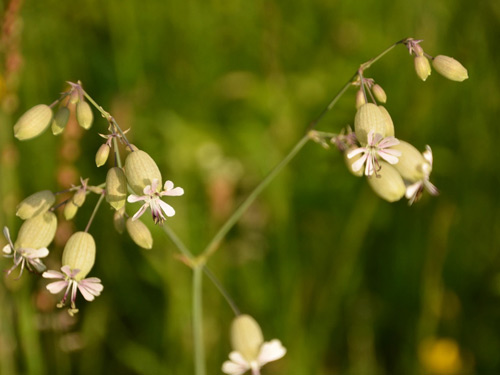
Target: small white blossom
[[415, 190], [377, 146], [24, 256], [238, 365], [152, 199], [89, 288]]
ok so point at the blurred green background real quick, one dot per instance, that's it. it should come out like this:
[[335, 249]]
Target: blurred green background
[[217, 92]]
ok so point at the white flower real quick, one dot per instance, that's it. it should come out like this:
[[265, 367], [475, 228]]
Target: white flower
[[24, 256], [89, 288], [269, 351], [152, 199], [376, 146], [415, 190]]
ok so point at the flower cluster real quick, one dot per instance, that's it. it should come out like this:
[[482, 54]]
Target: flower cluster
[[394, 168], [140, 175]]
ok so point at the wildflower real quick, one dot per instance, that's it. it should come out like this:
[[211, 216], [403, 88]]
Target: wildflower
[[24, 256], [152, 199], [89, 288], [250, 350], [376, 146], [415, 190]]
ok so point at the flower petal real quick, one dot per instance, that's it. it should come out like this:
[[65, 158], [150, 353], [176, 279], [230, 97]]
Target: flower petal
[[356, 151], [388, 142], [433, 190], [53, 275], [358, 164], [169, 185], [237, 364], [140, 212], [271, 351], [427, 154], [178, 191], [67, 271], [36, 253], [37, 264], [169, 211], [57, 286], [90, 288], [389, 156], [7, 249], [412, 190], [132, 198], [6, 233]]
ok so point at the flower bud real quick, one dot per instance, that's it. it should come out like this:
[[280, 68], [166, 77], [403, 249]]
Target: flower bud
[[422, 67], [60, 120], [411, 163], [84, 115], [119, 220], [35, 204], [79, 197], [369, 118], [389, 125], [37, 232], [379, 93], [33, 122], [139, 233], [102, 155], [246, 337], [79, 253], [360, 98], [388, 183], [350, 162], [116, 188], [141, 170], [450, 68], [70, 210]]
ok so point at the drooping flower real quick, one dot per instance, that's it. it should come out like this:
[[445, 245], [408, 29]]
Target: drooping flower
[[377, 146], [269, 351], [250, 351], [415, 190], [89, 288], [24, 256], [152, 199]]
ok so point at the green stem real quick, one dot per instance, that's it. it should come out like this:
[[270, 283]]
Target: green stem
[[219, 236], [199, 351], [107, 116], [192, 263], [370, 62], [94, 212], [222, 290], [362, 67], [178, 243]]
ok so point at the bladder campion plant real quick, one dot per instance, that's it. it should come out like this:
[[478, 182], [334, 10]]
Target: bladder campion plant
[[393, 168]]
